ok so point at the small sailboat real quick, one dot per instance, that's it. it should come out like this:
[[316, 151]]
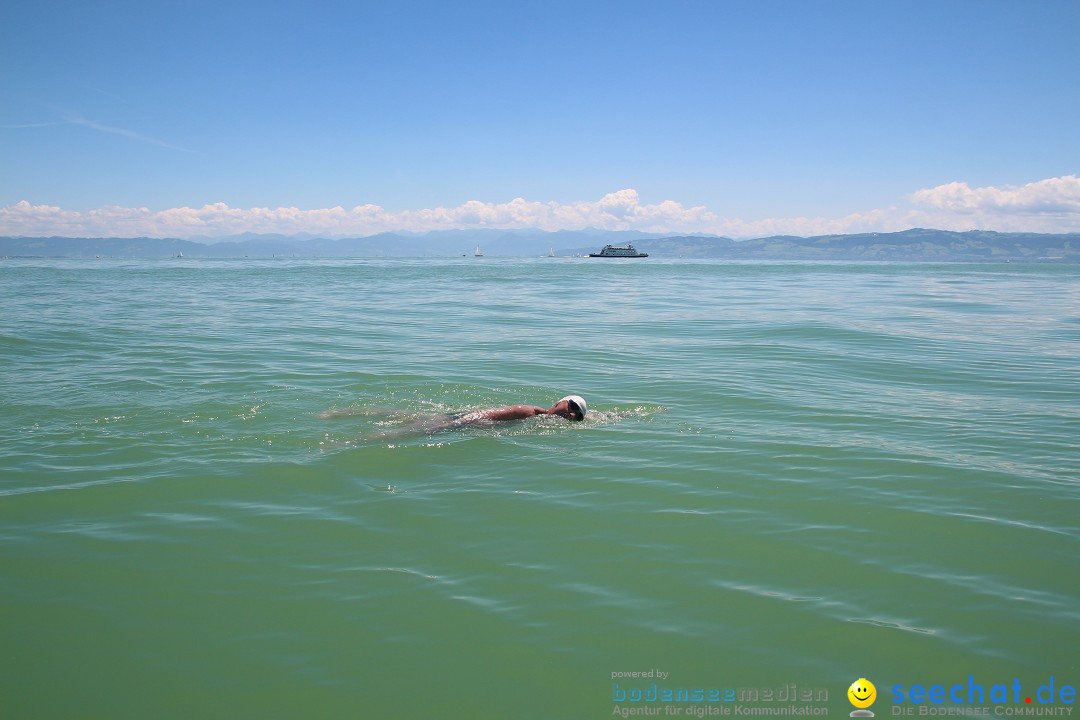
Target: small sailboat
[[551, 252], [478, 253], [180, 254]]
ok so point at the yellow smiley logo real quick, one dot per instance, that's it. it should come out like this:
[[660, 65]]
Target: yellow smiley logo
[[862, 693]]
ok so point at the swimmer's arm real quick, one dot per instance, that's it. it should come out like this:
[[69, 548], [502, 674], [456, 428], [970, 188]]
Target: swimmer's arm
[[514, 412]]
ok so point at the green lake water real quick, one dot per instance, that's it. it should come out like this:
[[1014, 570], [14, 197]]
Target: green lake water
[[214, 503]]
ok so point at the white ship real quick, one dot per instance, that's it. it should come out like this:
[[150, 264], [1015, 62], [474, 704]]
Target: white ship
[[619, 251]]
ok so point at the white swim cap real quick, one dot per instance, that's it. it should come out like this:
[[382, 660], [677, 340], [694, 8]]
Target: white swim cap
[[579, 401]]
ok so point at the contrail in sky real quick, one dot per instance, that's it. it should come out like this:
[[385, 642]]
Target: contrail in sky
[[75, 120]]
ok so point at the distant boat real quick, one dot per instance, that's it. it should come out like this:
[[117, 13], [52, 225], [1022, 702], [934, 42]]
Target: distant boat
[[478, 253], [551, 253], [180, 254], [619, 251]]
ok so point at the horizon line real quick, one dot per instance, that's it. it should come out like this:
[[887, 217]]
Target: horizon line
[[299, 236]]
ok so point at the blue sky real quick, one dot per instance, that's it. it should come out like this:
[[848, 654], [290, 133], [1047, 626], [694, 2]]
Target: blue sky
[[189, 118]]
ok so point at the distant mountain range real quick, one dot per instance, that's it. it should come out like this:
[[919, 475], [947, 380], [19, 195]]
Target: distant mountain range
[[443, 243], [910, 245], [916, 245]]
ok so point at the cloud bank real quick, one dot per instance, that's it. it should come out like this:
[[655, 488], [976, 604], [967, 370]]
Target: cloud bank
[[1050, 205]]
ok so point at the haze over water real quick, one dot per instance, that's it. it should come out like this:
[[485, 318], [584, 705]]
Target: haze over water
[[210, 505]]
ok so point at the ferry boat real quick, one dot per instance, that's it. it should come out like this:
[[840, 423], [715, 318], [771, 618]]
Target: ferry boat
[[619, 251]]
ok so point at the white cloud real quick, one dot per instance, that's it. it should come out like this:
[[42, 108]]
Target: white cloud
[[1051, 205], [616, 211], [1053, 196]]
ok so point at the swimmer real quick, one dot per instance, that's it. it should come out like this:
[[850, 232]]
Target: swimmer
[[571, 407]]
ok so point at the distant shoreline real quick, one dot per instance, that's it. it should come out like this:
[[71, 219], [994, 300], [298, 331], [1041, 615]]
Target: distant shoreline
[[915, 245]]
